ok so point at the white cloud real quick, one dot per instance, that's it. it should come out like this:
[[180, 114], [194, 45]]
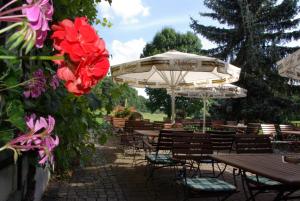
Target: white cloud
[[206, 44], [129, 10], [165, 22], [126, 51]]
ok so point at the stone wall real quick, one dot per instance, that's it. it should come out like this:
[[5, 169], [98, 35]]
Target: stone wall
[[13, 178]]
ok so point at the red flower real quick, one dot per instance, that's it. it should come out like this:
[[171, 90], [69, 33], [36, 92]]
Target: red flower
[[88, 58]]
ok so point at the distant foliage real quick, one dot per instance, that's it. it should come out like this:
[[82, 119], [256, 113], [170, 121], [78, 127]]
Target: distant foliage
[[112, 94]]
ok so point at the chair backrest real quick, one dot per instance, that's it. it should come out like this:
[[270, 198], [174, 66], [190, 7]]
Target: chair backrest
[[215, 124], [138, 125], [192, 146], [286, 127], [253, 144], [222, 140], [166, 137], [268, 129], [252, 128], [231, 122]]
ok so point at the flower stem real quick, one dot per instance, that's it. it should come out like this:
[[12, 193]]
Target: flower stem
[[5, 18], [13, 10], [20, 84], [8, 4], [52, 58], [3, 147], [10, 27]]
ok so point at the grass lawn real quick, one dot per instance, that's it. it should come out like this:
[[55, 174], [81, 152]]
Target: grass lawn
[[154, 117]]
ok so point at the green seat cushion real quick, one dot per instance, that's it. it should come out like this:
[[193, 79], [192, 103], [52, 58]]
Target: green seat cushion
[[160, 158], [263, 180], [209, 185]]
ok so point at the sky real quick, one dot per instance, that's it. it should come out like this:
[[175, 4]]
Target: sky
[[135, 22]]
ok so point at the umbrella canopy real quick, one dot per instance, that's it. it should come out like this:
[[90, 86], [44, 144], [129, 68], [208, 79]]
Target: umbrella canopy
[[173, 70], [212, 92], [290, 66]]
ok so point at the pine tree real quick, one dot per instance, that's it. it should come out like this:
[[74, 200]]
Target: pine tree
[[252, 37]]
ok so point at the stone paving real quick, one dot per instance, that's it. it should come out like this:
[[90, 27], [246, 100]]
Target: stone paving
[[112, 177]]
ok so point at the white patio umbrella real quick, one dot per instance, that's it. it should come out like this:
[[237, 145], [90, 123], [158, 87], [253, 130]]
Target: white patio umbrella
[[173, 70], [290, 66], [212, 92]]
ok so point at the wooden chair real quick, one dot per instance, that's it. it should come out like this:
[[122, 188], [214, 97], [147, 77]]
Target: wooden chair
[[198, 147], [231, 122], [222, 141], [215, 124], [162, 155], [269, 130], [286, 128], [255, 144], [290, 141], [252, 128], [118, 123], [158, 125]]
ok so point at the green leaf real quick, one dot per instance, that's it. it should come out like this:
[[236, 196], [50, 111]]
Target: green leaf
[[15, 113], [94, 101], [102, 139], [6, 136]]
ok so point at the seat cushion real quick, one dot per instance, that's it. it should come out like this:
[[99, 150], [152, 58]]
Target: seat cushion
[[263, 180], [160, 158], [209, 185]]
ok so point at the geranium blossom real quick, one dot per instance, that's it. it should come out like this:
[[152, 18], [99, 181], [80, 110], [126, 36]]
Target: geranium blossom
[[87, 58], [39, 137]]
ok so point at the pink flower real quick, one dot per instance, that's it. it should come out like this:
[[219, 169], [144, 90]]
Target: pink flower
[[38, 14], [38, 138]]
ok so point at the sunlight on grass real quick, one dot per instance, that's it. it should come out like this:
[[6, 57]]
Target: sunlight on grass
[[154, 117]]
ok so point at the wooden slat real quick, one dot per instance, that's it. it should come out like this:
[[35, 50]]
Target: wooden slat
[[253, 144]]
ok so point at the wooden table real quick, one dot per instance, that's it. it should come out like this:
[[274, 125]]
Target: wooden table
[[294, 132], [234, 127], [153, 133], [267, 165], [147, 133]]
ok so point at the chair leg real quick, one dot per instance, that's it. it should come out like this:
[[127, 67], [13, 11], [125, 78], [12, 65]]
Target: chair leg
[[213, 168], [252, 196]]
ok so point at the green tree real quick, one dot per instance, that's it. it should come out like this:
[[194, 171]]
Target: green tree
[[112, 94], [77, 8], [169, 39], [252, 38]]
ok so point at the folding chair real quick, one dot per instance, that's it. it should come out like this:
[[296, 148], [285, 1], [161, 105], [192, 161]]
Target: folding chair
[[162, 157], [197, 147]]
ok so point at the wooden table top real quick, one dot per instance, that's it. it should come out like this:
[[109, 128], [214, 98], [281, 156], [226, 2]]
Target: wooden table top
[[233, 126], [267, 165], [154, 133], [147, 133], [294, 132]]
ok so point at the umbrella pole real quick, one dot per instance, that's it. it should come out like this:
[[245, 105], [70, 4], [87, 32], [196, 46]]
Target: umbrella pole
[[173, 106], [204, 114]]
